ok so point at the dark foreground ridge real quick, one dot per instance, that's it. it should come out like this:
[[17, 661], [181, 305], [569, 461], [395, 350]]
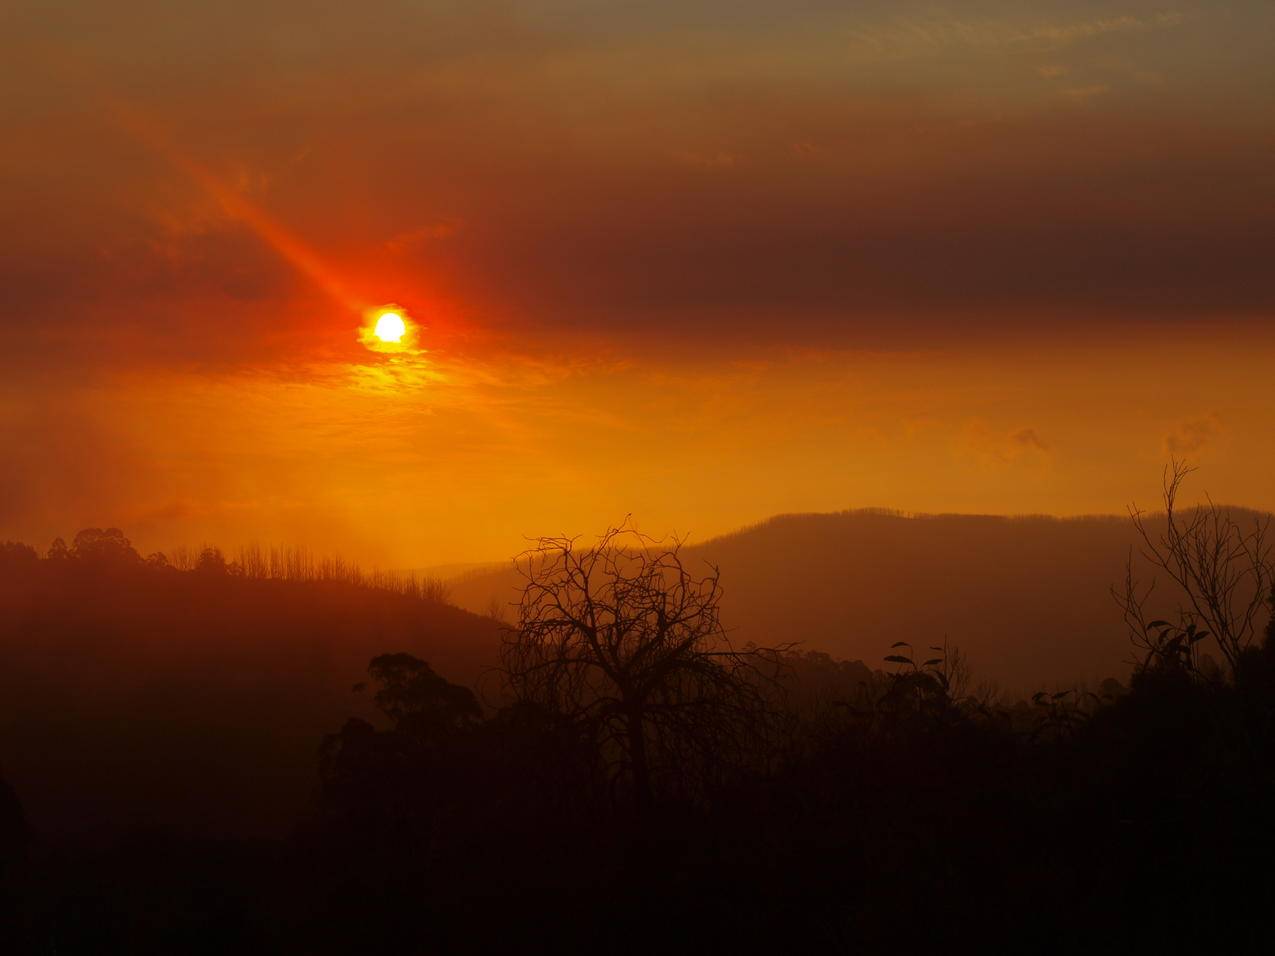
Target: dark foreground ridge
[[633, 781]]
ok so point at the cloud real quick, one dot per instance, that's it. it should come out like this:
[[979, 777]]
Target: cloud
[[1193, 435], [700, 201], [906, 35], [414, 238], [997, 448], [1081, 30], [1028, 439]]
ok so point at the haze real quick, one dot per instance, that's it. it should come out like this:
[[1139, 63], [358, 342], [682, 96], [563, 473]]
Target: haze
[[700, 262]]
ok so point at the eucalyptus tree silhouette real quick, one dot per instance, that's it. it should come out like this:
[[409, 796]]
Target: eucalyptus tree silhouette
[[622, 640], [107, 547], [212, 562], [420, 701], [391, 769]]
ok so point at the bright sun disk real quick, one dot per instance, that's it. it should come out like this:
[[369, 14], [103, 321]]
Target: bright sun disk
[[390, 327]]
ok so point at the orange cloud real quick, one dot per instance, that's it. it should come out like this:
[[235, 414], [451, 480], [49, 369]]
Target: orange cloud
[[1192, 435], [993, 447]]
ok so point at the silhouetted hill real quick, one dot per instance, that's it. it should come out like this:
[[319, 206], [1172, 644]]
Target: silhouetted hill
[[1027, 597], [135, 695], [882, 812]]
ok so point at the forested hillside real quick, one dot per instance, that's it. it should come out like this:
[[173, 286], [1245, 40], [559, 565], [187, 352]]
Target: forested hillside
[[195, 698]]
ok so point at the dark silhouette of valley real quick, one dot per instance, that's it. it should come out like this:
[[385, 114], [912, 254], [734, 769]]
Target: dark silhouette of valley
[[788, 739]]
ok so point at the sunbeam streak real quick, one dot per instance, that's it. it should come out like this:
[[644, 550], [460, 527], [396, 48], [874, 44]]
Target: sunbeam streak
[[290, 247]]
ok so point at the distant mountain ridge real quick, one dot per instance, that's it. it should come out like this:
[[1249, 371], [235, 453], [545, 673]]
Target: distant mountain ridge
[[1028, 598]]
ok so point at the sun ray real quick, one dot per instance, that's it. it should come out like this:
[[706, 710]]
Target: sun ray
[[274, 233]]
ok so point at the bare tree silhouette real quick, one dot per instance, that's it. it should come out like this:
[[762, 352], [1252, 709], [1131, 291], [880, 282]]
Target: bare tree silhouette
[[622, 639], [1222, 568]]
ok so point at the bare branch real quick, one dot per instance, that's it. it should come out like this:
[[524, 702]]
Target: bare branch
[[1222, 570], [623, 638]]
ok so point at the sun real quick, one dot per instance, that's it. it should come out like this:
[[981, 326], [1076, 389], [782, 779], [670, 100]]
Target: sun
[[390, 327]]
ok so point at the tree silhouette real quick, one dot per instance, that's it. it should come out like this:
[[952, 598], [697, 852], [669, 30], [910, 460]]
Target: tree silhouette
[[420, 701], [621, 639], [1222, 569], [212, 562], [16, 553], [401, 775], [104, 547]]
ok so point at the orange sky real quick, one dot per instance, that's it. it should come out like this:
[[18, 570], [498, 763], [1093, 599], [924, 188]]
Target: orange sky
[[699, 262]]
